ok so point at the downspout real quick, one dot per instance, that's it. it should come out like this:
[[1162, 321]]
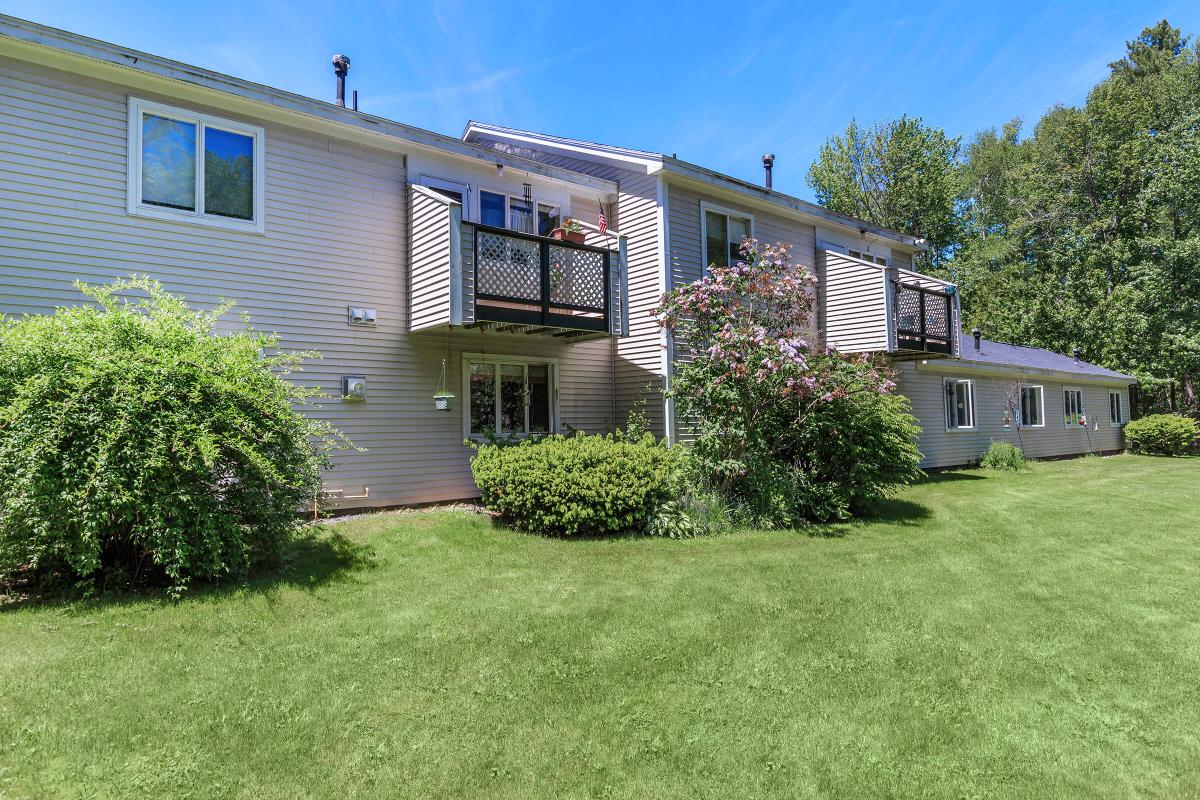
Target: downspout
[[664, 282]]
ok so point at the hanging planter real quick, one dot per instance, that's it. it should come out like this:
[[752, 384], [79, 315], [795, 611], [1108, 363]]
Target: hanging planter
[[442, 399]]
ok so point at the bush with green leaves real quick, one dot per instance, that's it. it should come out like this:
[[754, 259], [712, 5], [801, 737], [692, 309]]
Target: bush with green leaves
[[575, 485], [1162, 434], [784, 432], [1003, 455], [139, 445]]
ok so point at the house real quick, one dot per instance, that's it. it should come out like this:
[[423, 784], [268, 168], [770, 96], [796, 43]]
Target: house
[[421, 264]]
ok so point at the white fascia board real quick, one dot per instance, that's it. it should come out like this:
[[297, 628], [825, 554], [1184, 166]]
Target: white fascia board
[[811, 213], [57, 49], [589, 151], [939, 366]]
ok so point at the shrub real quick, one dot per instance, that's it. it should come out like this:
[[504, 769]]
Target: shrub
[[1003, 455], [784, 433], [1161, 434], [575, 485], [138, 445]]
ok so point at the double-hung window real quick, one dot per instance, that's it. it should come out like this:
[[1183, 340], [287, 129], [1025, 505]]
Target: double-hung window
[[1032, 407], [193, 167], [960, 404], [509, 396], [1116, 409], [1073, 407], [724, 231]]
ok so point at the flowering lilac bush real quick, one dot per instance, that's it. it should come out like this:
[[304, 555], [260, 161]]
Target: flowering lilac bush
[[783, 430]]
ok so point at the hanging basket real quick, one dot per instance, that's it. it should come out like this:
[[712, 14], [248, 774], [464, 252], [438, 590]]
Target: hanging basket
[[443, 401]]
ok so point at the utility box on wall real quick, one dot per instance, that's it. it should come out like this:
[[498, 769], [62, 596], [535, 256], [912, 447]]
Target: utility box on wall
[[361, 317], [354, 387]]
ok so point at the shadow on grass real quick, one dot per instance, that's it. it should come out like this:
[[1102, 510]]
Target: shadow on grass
[[312, 560], [948, 476]]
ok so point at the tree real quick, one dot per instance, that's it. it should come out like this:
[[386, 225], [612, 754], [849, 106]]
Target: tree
[[899, 174]]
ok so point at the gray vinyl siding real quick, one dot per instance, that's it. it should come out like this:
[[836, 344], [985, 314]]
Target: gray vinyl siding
[[853, 314], [942, 448], [336, 235], [430, 257]]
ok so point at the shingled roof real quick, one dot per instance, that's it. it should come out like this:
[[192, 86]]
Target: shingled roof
[[1016, 355]]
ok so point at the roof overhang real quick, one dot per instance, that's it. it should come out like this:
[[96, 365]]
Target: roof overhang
[[624, 158], [58, 49], [1018, 372]]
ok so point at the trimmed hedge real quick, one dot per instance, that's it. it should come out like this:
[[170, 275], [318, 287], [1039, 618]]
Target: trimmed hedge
[[577, 485], [1162, 434]]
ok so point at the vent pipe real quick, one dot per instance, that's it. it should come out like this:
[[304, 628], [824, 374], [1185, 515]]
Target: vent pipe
[[1077, 352], [978, 334], [341, 65], [768, 162]]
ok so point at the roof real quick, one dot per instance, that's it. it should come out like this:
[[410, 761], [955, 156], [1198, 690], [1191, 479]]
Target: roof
[[655, 162], [1019, 355], [37, 42]]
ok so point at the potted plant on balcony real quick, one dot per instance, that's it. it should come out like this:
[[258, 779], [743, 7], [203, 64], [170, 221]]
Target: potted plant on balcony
[[569, 230]]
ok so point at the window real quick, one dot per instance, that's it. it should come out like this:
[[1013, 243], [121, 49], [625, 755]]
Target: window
[[723, 234], [549, 218], [492, 209], [960, 404], [509, 396], [867, 257], [1032, 405], [450, 189], [1072, 407], [520, 215], [193, 167], [1116, 409]]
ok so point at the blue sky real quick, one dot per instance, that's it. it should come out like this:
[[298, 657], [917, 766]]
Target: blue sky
[[718, 84]]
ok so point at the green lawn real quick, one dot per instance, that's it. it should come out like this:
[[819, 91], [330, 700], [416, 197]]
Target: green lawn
[[990, 635]]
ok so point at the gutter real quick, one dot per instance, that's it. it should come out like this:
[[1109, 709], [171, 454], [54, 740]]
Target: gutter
[[942, 365], [32, 36]]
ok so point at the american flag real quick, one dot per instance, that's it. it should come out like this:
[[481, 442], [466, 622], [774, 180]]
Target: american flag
[[602, 224]]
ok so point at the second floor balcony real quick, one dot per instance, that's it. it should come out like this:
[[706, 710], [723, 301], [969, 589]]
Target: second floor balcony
[[464, 274]]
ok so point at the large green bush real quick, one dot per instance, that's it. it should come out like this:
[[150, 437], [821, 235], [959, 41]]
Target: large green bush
[[575, 485], [1161, 434], [784, 432], [137, 445]]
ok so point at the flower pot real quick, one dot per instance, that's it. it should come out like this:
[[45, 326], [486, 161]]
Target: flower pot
[[569, 236], [443, 402]]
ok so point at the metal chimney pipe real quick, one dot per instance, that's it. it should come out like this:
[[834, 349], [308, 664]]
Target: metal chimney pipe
[[1077, 352], [341, 65], [354, 102], [978, 334], [768, 162]]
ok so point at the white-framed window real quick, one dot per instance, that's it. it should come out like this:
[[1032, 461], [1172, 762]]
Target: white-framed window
[[868, 257], [549, 217], [191, 167], [510, 211], [1031, 412], [455, 190], [722, 231], [1116, 408], [1072, 407], [960, 404], [509, 396]]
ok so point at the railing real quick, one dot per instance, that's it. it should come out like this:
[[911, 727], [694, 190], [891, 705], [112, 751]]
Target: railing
[[924, 319], [532, 280]]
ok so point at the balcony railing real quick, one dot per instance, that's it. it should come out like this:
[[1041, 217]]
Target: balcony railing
[[924, 319], [531, 280]]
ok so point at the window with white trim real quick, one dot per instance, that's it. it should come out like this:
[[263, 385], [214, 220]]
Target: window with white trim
[[873, 259], [1116, 408], [509, 396], [193, 167], [960, 404], [724, 231], [1031, 412], [1073, 408]]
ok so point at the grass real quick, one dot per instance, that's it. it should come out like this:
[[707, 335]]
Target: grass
[[988, 635]]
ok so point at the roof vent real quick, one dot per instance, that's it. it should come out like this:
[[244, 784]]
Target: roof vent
[[1077, 352], [978, 334], [341, 65], [768, 163]]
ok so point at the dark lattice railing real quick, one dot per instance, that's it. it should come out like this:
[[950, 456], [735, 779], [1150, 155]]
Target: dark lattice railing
[[924, 319], [532, 280]]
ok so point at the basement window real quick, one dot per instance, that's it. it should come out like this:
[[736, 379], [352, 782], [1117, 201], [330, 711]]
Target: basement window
[[186, 166], [509, 396]]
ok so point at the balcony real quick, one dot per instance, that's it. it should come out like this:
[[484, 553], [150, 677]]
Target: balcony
[[923, 319], [467, 275], [873, 308]]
